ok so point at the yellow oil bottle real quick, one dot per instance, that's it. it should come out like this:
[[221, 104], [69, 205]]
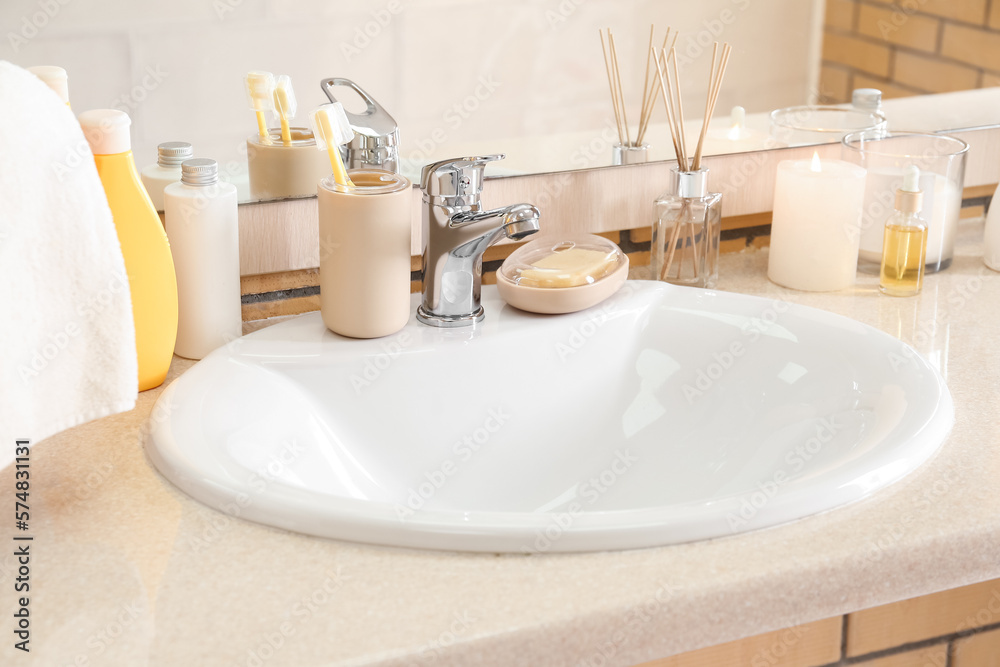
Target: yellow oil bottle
[[148, 262], [904, 244]]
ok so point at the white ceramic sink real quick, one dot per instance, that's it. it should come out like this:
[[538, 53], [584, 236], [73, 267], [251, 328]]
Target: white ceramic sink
[[663, 415]]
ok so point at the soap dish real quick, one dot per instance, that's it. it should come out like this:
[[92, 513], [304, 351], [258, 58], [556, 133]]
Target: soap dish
[[562, 275]]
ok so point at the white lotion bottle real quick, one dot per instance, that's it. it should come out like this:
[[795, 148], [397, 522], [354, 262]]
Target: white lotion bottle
[[167, 170], [201, 222]]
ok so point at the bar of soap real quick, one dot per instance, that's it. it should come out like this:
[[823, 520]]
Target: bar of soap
[[568, 268]]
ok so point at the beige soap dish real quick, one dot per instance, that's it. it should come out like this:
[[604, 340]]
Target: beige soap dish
[[562, 275]]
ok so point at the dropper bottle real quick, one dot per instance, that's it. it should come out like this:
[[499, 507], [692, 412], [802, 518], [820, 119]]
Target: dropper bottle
[[904, 244]]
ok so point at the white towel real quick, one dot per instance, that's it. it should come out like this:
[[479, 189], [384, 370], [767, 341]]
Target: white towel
[[67, 340]]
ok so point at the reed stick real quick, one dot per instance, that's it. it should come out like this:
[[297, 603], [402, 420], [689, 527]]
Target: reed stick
[[611, 86], [645, 87], [715, 85], [667, 104], [647, 111], [680, 108], [670, 89], [618, 77], [651, 85]]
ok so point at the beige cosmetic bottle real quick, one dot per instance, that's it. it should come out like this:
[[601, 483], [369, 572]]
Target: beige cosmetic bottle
[[364, 253]]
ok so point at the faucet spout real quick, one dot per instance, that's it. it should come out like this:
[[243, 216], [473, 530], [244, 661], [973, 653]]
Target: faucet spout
[[456, 234], [487, 227]]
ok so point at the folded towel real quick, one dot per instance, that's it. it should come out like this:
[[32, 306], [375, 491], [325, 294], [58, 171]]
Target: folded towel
[[67, 340]]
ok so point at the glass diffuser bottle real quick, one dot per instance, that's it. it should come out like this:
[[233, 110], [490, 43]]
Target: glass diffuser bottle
[[687, 225]]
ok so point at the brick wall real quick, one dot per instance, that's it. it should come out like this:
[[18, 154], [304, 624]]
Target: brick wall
[[956, 628], [909, 47]]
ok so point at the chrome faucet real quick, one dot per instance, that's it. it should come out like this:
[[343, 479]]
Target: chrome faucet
[[456, 234]]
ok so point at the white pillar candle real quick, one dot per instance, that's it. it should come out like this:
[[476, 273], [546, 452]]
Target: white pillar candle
[[816, 224]]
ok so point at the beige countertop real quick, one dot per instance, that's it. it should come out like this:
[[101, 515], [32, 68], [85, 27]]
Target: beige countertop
[[127, 570]]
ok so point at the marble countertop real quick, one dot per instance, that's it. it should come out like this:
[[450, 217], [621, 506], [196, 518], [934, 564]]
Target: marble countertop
[[127, 570]]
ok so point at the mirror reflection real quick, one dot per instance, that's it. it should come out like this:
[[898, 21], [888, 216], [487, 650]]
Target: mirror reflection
[[522, 77]]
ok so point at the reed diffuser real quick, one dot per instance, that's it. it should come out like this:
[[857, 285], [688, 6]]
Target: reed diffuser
[[627, 151], [687, 219]]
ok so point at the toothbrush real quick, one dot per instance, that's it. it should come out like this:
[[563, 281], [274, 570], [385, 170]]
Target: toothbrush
[[284, 105], [332, 130], [260, 95]]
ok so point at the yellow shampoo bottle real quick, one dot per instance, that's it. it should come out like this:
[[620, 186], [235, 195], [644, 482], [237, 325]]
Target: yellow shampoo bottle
[[143, 240]]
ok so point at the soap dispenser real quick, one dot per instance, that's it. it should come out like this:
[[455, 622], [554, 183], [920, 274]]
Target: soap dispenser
[[148, 262], [904, 245]]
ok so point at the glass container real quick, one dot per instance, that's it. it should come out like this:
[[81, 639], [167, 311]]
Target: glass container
[[807, 125], [687, 225], [941, 160]]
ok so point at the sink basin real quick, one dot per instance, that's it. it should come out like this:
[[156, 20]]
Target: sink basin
[[664, 415]]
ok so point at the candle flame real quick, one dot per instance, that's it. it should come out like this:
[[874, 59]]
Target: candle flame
[[737, 121], [816, 165]]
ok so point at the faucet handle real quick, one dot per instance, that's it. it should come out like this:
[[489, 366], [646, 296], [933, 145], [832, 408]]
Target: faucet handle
[[457, 177]]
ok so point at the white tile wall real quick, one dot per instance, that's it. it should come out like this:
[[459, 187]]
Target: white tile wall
[[177, 66]]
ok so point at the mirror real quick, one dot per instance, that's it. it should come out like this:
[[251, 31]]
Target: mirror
[[524, 77]]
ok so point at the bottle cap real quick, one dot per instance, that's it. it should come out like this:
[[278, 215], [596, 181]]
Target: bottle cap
[[690, 184], [867, 98], [200, 171], [909, 198], [173, 153], [54, 77], [107, 131]]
